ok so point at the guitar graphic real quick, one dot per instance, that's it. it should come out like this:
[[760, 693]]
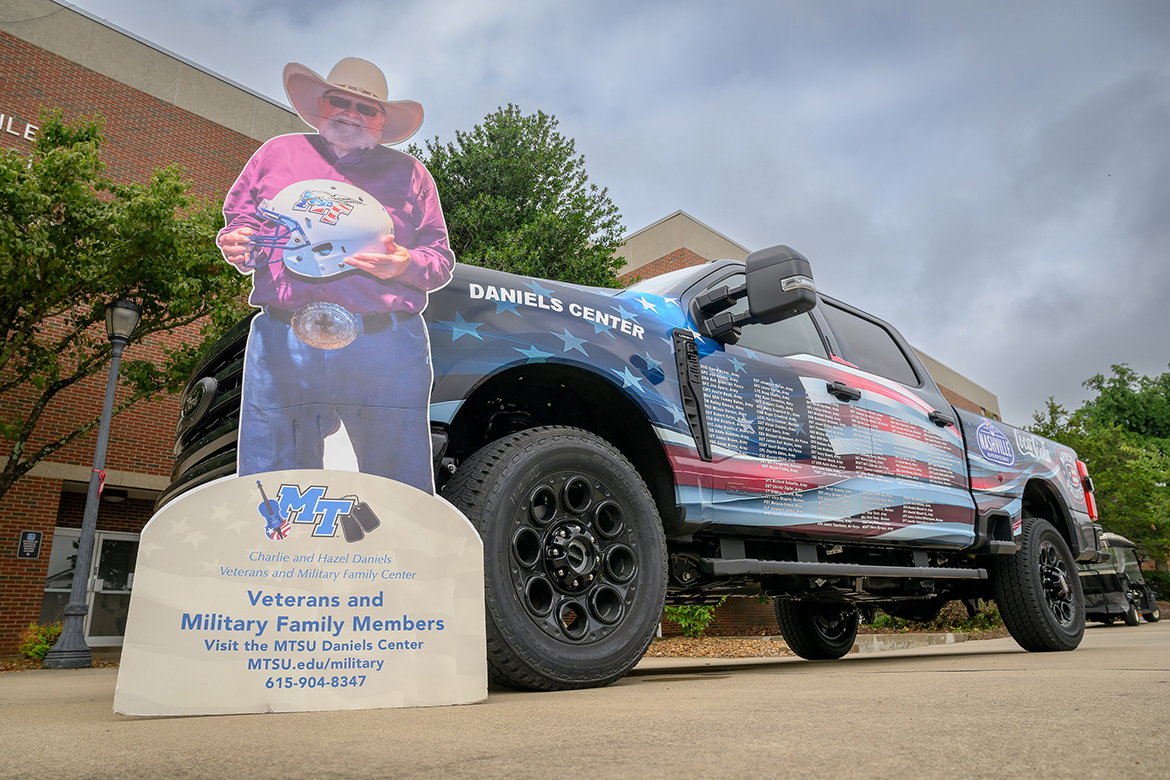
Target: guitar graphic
[[276, 524]]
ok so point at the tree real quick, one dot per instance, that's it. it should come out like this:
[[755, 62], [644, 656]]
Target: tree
[[72, 241], [517, 198], [1130, 478], [1139, 404]]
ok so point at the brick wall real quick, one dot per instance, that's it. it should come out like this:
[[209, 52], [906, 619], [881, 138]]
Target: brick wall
[[143, 134], [738, 616], [31, 505], [679, 258]]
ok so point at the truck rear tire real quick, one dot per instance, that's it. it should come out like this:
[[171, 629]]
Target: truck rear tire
[[574, 557], [1038, 590], [816, 631]]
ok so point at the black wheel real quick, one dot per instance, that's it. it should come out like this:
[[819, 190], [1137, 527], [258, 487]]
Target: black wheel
[[1152, 617], [574, 557], [1131, 615], [1038, 590], [817, 631]]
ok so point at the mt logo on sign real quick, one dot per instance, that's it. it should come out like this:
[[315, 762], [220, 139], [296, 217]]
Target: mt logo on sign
[[294, 505]]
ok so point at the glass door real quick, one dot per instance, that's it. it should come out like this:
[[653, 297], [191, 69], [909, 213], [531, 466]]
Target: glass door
[[114, 556]]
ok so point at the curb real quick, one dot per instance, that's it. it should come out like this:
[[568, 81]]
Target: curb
[[866, 643]]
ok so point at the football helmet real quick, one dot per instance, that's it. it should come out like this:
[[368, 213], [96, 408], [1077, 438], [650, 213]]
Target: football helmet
[[316, 224]]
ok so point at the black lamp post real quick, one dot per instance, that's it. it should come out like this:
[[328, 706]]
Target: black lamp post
[[71, 651]]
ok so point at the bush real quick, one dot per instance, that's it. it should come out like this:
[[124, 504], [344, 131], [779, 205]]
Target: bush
[[1159, 582], [952, 618], [37, 640], [693, 619]]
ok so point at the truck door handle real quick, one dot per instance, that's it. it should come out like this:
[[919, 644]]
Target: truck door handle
[[941, 419], [843, 392]]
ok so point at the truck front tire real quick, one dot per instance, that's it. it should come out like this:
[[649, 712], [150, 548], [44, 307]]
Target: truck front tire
[[816, 631], [574, 557], [1038, 590]]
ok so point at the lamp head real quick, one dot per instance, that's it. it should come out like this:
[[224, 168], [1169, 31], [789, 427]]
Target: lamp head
[[121, 320]]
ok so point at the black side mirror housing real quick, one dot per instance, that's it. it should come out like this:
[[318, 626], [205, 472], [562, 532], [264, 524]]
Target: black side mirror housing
[[779, 284]]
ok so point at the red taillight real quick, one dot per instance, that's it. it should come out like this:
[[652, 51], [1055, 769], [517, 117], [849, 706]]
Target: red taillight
[[1087, 484]]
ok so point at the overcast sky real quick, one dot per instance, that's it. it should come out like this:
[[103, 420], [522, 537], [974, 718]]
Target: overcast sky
[[993, 178]]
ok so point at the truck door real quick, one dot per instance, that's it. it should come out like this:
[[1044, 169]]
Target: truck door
[[783, 448], [912, 461]]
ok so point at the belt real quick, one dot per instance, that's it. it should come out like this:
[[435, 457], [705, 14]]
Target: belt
[[371, 323]]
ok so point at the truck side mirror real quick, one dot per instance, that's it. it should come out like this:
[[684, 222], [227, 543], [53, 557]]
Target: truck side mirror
[[779, 285]]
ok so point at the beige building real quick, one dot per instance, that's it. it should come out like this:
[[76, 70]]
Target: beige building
[[679, 240]]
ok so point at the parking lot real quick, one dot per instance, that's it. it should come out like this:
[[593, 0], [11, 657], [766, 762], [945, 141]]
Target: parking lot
[[976, 709]]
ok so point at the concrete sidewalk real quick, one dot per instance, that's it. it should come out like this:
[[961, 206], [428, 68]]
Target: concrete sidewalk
[[962, 710], [866, 643]]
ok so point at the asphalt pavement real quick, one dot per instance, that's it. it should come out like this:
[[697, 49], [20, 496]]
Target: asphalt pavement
[[969, 710]]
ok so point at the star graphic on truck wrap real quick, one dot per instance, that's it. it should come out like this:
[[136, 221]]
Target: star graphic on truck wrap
[[626, 315], [503, 306], [572, 342], [739, 366], [461, 327], [647, 305], [541, 290], [628, 379], [651, 363], [534, 354]]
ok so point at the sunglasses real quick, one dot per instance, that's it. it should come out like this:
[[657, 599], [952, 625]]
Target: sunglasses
[[365, 109]]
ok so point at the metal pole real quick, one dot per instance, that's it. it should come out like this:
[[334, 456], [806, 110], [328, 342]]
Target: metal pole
[[71, 650]]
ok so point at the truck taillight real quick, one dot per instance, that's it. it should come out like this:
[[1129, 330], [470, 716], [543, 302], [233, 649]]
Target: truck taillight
[[1087, 484]]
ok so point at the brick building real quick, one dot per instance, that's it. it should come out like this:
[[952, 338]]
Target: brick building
[[158, 109]]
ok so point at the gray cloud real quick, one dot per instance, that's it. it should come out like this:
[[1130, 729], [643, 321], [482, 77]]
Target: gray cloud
[[991, 177]]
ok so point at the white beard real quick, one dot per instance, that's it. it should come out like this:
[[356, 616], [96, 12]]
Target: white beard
[[346, 138]]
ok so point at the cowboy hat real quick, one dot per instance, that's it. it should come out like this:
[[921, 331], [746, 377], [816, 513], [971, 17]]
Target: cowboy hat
[[356, 78]]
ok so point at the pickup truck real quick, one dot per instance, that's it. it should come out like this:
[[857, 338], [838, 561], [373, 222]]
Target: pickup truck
[[722, 430]]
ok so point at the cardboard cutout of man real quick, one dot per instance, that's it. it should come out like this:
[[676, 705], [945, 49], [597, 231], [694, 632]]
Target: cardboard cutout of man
[[344, 237]]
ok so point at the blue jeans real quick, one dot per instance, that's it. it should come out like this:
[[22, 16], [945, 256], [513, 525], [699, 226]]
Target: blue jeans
[[295, 395]]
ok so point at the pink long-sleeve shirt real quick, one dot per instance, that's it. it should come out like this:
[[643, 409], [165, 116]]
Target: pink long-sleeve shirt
[[397, 180]]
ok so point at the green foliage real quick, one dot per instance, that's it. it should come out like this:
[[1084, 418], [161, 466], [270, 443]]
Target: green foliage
[[1138, 404], [1159, 582], [693, 619], [72, 241], [1130, 471], [953, 618], [37, 640], [516, 198]]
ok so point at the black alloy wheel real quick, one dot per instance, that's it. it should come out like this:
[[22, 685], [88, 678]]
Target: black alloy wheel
[[574, 557], [1038, 590], [1057, 578], [817, 631]]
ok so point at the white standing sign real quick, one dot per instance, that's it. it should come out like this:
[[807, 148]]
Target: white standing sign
[[334, 590]]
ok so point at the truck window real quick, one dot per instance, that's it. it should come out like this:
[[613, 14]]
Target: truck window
[[870, 346], [795, 336]]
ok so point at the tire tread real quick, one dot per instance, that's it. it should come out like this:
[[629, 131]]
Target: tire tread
[[472, 488]]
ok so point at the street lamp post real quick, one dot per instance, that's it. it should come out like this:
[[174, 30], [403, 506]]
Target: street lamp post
[[71, 651]]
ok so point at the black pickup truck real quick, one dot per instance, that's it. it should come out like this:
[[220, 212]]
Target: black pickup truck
[[720, 430]]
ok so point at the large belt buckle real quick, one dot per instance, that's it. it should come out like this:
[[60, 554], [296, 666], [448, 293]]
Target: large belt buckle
[[324, 325]]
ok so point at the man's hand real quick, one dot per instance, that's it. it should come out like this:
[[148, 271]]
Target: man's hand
[[237, 246], [385, 266]]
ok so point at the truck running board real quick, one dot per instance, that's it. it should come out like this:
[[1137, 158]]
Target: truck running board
[[739, 566]]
